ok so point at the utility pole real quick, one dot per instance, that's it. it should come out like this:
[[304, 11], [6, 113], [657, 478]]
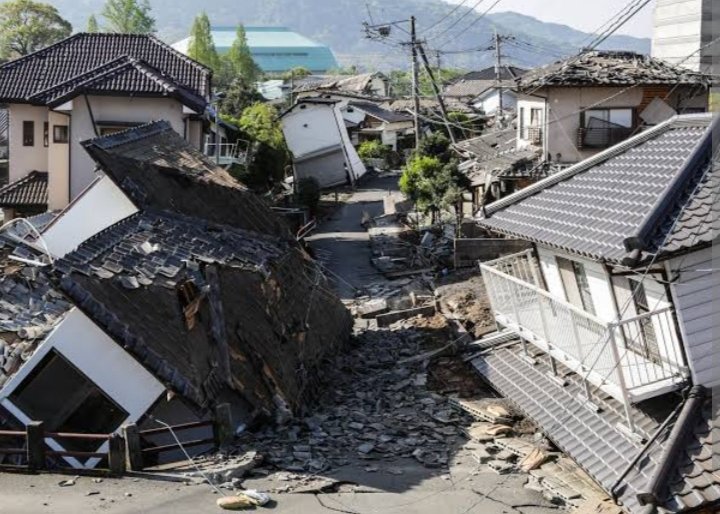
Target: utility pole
[[436, 89], [415, 82], [498, 77]]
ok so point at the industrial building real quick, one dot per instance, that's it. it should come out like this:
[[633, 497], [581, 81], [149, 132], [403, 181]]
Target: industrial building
[[274, 49]]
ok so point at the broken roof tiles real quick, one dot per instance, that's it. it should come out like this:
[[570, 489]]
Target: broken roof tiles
[[611, 68], [30, 307]]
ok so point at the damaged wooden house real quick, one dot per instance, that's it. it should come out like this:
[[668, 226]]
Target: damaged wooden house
[[190, 293], [575, 108], [614, 314]]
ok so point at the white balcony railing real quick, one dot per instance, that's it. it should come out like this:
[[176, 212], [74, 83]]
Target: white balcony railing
[[631, 359], [225, 153]]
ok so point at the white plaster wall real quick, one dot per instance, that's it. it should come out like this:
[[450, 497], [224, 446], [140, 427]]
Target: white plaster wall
[[354, 161], [100, 206], [525, 104], [597, 280], [109, 108], [58, 164], [310, 129], [490, 103], [24, 159], [99, 358]]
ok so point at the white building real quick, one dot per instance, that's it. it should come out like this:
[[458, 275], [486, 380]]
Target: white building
[[85, 86], [683, 31], [615, 312], [318, 139]]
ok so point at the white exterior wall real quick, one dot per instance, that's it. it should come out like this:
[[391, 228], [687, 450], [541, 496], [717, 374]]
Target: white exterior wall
[[310, 129], [100, 206], [696, 295], [99, 358], [110, 108], [24, 159], [525, 105], [490, 102], [58, 164], [682, 27]]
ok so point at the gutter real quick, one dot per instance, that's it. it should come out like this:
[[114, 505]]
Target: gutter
[[675, 442]]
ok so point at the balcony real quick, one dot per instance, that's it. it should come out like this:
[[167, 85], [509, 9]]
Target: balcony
[[631, 359], [533, 135], [229, 153]]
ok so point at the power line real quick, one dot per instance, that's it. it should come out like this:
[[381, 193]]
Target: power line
[[477, 19], [471, 9], [447, 15]]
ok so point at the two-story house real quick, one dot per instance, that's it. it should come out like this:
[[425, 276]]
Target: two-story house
[[85, 86], [575, 108], [616, 314]]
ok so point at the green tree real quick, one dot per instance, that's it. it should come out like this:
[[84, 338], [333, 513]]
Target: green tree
[[201, 46], [27, 26], [238, 97], [260, 121], [432, 185], [239, 60], [128, 17], [92, 25]]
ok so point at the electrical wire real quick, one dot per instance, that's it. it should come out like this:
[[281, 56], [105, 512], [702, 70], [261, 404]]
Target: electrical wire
[[446, 16], [476, 20], [447, 29]]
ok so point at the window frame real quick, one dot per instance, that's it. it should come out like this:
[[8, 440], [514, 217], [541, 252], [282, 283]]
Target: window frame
[[28, 133], [61, 140]]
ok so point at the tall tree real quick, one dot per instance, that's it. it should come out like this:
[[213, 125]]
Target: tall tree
[[27, 26], [128, 17], [239, 58], [201, 46], [92, 25]]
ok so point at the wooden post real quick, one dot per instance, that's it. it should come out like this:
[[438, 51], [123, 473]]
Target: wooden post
[[116, 454], [223, 426], [35, 440], [133, 450]]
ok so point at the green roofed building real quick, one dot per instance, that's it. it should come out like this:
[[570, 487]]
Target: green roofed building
[[274, 49]]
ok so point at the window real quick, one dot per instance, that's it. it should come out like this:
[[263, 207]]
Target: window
[[28, 133], [576, 284], [60, 133], [619, 117], [536, 117], [601, 128], [521, 120], [45, 134], [66, 400], [644, 342]]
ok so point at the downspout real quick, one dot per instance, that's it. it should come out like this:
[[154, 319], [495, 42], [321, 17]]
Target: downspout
[[679, 332], [675, 442]]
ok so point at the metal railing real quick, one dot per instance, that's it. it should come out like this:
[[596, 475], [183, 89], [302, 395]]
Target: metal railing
[[631, 359], [225, 153], [532, 134]]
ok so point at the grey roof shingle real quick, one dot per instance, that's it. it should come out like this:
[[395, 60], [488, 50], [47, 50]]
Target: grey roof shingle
[[381, 114], [124, 74], [596, 206], [475, 83], [611, 68], [29, 191], [23, 78]]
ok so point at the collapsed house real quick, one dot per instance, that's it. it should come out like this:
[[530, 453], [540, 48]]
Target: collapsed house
[[189, 293], [577, 107], [317, 137], [614, 317], [495, 166], [367, 84]]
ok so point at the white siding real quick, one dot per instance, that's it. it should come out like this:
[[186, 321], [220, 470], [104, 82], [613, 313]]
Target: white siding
[[24, 159], [103, 204], [696, 294]]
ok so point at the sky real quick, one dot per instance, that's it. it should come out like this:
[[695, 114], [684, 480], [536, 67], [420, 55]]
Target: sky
[[585, 15]]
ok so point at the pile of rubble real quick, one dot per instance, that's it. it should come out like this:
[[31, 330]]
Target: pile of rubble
[[399, 250]]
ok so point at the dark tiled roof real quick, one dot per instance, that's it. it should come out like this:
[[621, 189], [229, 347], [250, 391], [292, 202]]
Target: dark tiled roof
[[123, 75], [506, 73], [4, 124], [381, 114], [126, 278], [29, 191], [695, 480], [603, 68], [475, 83], [24, 77], [597, 207], [156, 168], [30, 307]]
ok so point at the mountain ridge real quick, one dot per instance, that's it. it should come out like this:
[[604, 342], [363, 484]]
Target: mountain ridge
[[338, 23]]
